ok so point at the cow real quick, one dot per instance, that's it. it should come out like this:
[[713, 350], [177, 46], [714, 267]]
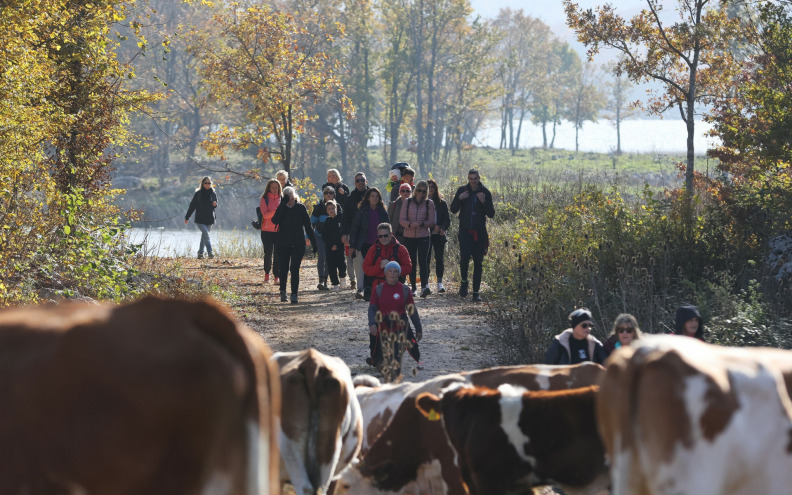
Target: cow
[[404, 452], [678, 416], [322, 426], [157, 396], [510, 440]]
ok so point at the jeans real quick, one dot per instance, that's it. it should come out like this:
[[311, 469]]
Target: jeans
[[268, 240], [467, 248], [418, 247], [290, 260], [356, 269], [205, 241], [321, 260], [438, 246]]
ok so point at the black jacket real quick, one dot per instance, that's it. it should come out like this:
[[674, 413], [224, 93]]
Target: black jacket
[[201, 204], [350, 208], [441, 212], [359, 231], [472, 213], [330, 230], [338, 197], [559, 351], [685, 313], [293, 223]]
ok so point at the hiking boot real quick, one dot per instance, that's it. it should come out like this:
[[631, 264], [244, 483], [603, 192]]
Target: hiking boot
[[211, 255], [359, 294], [425, 292], [335, 288], [463, 289], [266, 277], [476, 297], [283, 296], [352, 284], [369, 361], [440, 288], [200, 256], [294, 299]]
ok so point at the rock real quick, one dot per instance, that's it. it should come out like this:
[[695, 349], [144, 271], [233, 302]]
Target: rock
[[780, 258]]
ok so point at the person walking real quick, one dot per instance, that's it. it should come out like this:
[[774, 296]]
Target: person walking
[[269, 202], [418, 219], [688, 322], [363, 234], [387, 248], [334, 246], [390, 306], [318, 217], [350, 208], [283, 178], [334, 181], [293, 223], [473, 202], [394, 211], [439, 238], [203, 203], [576, 344], [625, 332]]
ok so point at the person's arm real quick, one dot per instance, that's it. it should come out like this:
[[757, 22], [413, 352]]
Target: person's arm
[[280, 211], [489, 206], [308, 228], [444, 219], [552, 352], [372, 312], [456, 204], [600, 355], [267, 211], [403, 220], [430, 222], [214, 199], [191, 208], [370, 265], [353, 232], [415, 319], [404, 260]]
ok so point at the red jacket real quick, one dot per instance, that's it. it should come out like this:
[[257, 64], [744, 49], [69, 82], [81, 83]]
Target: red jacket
[[371, 264]]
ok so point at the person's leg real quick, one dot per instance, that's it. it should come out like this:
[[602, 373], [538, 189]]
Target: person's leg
[[284, 256], [321, 262], [478, 260], [358, 275], [412, 249], [423, 259], [267, 242], [204, 238], [465, 247], [350, 262], [208, 243], [296, 260], [367, 280], [332, 266], [438, 247]]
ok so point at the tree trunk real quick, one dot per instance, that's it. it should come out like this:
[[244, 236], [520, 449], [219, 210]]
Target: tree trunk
[[552, 141], [544, 134], [618, 129]]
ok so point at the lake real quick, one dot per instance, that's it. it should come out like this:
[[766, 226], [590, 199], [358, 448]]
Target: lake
[[637, 136], [183, 242]]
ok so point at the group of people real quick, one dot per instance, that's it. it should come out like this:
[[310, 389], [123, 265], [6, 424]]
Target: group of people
[[576, 344]]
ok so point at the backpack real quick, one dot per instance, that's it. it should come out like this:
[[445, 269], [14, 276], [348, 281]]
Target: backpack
[[257, 223], [378, 251], [427, 209]]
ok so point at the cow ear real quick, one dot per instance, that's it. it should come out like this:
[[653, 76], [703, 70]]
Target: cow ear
[[429, 406]]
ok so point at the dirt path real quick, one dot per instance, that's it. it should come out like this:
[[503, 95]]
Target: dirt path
[[454, 336]]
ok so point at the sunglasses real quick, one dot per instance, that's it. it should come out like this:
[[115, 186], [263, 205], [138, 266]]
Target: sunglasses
[[624, 329], [587, 325], [383, 236], [360, 180], [208, 183], [421, 191], [329, 194]]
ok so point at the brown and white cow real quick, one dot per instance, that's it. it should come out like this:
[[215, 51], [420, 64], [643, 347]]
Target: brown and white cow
[[510, 440], [157, 396], [679, 416], [322, 426], [404, 452]]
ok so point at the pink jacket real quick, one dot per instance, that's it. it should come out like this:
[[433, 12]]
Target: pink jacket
[[412, 212], [267, 211]]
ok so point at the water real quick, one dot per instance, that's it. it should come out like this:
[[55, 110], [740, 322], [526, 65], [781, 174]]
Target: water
[[637, 136], [162, 242]]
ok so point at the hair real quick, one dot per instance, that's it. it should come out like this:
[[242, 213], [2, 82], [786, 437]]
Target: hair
[[336, 172], [626, 319], [438, 196], [282, 173], [200, 184], [407, 171], [385, 226], [418, 185], [289, 191], [267, 187], [368, 194], [359, 174], [474, 171], [328, 189], [332, 203]]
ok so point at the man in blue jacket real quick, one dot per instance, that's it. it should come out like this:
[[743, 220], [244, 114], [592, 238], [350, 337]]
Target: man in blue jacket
[[474, 204]]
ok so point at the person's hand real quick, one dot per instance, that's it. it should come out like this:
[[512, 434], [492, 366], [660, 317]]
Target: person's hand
[[481, 197], [341, 190], [186, 221], [464, 194], [418, 335], [352, 252], [373, 329], [436, 229], [214, 203], [383, 263], [334, 248], [345, 240]]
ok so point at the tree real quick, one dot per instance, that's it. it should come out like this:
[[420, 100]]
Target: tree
[[556, 72], [586, 100], [688, 56], [618, 104], [273, 65]]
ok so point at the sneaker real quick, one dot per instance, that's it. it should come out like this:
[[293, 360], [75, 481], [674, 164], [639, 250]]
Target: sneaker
[[414, 292], [211, 255], [343, 283], [283, 296], [463, 289], [200, 256], [359, 294], [476, 297], [369, 361], [294, 299], [352, 284], [321, 286], [277, 280], [266, 277], [425, 292], [335, 288], [440, 288]]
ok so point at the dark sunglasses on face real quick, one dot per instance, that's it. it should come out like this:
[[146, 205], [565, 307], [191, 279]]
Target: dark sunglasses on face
[[329, 194], [421, 191], [208, 183], [360, 180], [383, 236], [587, 325], [624, 329]]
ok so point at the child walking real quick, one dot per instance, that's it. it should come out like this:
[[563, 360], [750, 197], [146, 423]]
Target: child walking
[[334, 247]]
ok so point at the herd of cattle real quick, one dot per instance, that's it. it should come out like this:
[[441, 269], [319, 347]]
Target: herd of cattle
[[175, 397]]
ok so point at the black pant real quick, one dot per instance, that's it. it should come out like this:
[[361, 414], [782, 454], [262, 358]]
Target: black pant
[[290, 258], [336, 263], [268, 240], [438, 246], [418, 247], [477, 249]]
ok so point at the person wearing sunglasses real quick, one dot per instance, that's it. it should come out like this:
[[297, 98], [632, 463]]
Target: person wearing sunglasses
[[407, 177], [350, 208], [363, 234], [625, 331], [203, 203], [394, 211], [386, 249], [318, 218], [418, 218], [576, 344]]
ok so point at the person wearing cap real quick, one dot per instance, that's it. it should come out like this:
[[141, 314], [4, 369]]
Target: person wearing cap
[[384, 250], [407, 177], [576, 344], [688, 322], [390, 307], [394, 211]]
